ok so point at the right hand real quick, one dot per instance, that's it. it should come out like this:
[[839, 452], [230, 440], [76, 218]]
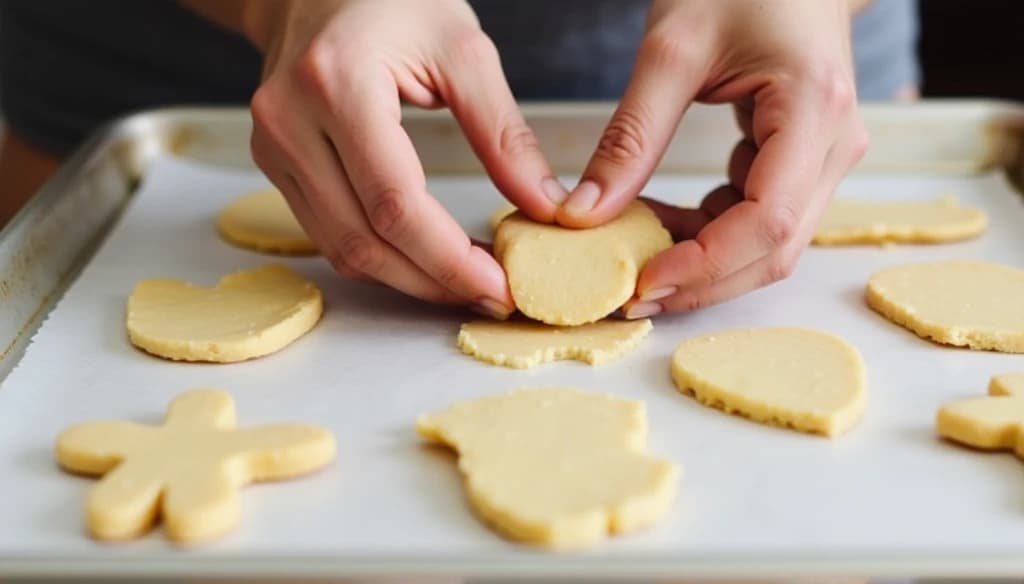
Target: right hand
[[327, 132]]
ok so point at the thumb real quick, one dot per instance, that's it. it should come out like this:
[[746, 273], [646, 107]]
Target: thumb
[[665, 80], [481, 101]]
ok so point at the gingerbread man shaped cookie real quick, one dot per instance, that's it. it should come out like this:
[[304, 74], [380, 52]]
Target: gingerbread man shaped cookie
[[995, 422], [187, 471]]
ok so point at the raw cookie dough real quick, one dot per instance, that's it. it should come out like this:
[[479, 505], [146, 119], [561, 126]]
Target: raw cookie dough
[[522, 345], [262, 221], [852, 221], [1007, 384], [249, 314], [499, 215], [992, 423], [795, 378], [187, 471], [556, 467], [964, 303], [570, 277]]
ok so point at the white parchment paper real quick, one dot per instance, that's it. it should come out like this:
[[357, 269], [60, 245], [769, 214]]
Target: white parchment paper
[[378, 359]]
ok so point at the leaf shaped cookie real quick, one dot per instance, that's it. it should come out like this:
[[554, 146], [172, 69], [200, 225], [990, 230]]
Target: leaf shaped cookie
[[795, 378], [570, 277], [248, 314], [522, 345], [964, 303], [556, 467], [187, 471]]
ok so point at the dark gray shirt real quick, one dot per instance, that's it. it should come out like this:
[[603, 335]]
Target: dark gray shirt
[[67, 66]]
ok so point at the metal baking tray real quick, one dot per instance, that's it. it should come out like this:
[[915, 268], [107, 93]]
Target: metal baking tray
[[137, 201]]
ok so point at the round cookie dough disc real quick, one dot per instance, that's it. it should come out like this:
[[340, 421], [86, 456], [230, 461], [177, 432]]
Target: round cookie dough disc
[[795, 378], [262, 221], [852, 221], [964, 303], [248, 314]]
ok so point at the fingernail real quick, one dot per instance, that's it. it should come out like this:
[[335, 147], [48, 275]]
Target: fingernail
[[492, 308], [583, 198], [658, 293], [554, 190], [643, 310]]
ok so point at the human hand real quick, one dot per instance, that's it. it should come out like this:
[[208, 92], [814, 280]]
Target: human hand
[[786, 67], [327, 132]]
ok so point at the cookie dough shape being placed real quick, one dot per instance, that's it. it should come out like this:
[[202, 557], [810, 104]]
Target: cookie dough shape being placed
[[262, 221], [570, 277], [995, 422], [795, 378], [248, 314], [522, 345], [853, 221], [556, 467], [187, 471], [970, 304]]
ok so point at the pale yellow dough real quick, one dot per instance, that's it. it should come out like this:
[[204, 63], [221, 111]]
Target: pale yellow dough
[[992, 423], [570, 277], [852, 221], [500, 214], [795, 378], [522, 345], [556, 467], [248, 314], [964, 303], [187, 471], [262, 221]]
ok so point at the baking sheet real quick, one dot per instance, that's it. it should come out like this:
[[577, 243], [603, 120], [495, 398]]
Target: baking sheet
[[752, 497]]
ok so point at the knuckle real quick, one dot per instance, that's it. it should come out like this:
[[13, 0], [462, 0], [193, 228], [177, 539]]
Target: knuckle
[[779, 269], [516, 138], [623, 140], [447, 272], [692, 302], [834, 89], [778, 227], [668, 46], [359, 253], [471, 47], [388, 217], [861, 142], [313, 69], [265, 107], [341, 267]]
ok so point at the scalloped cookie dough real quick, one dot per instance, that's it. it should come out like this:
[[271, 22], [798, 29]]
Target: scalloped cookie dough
[[570, 277], [556, 467], [262, 221], [248, 314], [879, 222], [522, 345], [995, 422], [187, 471], [970, 304], [795, 378]]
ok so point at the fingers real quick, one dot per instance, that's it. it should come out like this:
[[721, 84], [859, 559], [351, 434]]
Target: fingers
[[476, 91], [777, 265], [665, 80], [388, 183], [320, 195]]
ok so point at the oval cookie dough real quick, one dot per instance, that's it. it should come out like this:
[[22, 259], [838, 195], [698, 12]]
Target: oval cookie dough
[[262, 221], [570, 277], [556, 467], [852, 221], [248, 314], [791, 377], [970, 304], [522, 345]]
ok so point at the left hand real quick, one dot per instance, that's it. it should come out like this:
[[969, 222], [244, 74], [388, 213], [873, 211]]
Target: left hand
[[786, 67]]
